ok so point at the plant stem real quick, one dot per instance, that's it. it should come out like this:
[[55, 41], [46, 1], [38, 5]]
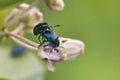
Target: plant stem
[[23, 44], [23, 39]]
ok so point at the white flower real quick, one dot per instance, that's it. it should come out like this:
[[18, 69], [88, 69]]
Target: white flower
[[27, 17], [68, 49], [30, 17]]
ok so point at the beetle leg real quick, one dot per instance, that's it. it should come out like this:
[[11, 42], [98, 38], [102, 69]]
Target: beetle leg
[[51, 50], [43, 41], [41, 44], [39, 38], [56, 49]]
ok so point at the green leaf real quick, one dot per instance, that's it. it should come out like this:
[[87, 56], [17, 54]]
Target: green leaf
[[26, 67]]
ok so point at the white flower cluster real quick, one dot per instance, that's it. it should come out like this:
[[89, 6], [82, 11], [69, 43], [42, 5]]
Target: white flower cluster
[[27, 16]]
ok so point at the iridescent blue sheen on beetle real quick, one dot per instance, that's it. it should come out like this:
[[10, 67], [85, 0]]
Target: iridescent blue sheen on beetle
[[44, 31]]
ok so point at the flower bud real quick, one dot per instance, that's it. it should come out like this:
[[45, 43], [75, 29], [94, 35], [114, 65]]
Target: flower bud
[[29, 17], [55, 5], [68, 49]]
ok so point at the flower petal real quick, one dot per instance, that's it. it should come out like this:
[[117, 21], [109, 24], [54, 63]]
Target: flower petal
[[73, 48], [46, 53]]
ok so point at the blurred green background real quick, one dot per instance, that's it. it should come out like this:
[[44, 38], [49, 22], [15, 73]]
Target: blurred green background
[[97, 24]]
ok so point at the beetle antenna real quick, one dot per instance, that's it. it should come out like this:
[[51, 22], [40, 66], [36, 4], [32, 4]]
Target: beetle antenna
[[57, 25]]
